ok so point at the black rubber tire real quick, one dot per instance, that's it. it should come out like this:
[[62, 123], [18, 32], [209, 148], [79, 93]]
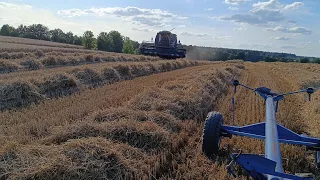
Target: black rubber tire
[[212, 134]]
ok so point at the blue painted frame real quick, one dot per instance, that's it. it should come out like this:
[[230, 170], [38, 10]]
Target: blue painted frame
[[286, 136], [270, 166]]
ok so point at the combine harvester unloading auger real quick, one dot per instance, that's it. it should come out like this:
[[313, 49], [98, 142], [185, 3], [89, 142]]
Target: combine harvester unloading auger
[[265, 167]]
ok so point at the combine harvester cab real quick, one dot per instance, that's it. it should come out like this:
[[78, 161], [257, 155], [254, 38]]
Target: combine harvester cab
[[269, 165], [165, 46]]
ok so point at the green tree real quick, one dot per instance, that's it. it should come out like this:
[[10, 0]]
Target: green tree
[[116, 41], [104, 42], [22, 30], [77, 40], [38, 31], [7, 30], [241, 55], [128, 46], [221, 55], [253, 56], [88, 39], [232, 56], [304, 60], [136, 46], [316, 60], [270, 59], [282, 59], [94, 44], [56, 35], [69, 37]]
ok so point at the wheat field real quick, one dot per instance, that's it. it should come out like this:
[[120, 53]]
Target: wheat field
[[134, 132], [141, 119]]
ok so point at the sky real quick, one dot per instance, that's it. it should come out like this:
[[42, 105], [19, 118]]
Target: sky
[[270, 25]]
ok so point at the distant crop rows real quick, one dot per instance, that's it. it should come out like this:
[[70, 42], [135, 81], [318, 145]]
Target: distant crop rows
[[37, 58], [19, 48], [21, 90], [52, 61], [26, 41], [16, 48]]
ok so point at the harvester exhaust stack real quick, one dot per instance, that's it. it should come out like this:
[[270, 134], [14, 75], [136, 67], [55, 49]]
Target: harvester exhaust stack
[[265, 167]]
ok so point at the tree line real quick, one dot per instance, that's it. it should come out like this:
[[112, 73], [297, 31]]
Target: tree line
[[112, 41], [115, 42]]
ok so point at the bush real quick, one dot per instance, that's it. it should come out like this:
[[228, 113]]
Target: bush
[[31, 65], [18, 94], [270, 59], [304, 60], [283, 60], [7, 67], [316, 60]]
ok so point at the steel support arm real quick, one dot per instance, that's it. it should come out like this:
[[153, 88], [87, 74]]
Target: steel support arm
[[286, 136]]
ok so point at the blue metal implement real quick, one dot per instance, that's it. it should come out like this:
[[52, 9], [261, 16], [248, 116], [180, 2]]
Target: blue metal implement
[[270, 166], [272, 146]]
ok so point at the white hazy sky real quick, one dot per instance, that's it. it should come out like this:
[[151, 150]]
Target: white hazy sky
[[271, 25]]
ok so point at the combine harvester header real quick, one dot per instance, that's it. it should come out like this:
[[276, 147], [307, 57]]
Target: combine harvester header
[[269, 166]]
